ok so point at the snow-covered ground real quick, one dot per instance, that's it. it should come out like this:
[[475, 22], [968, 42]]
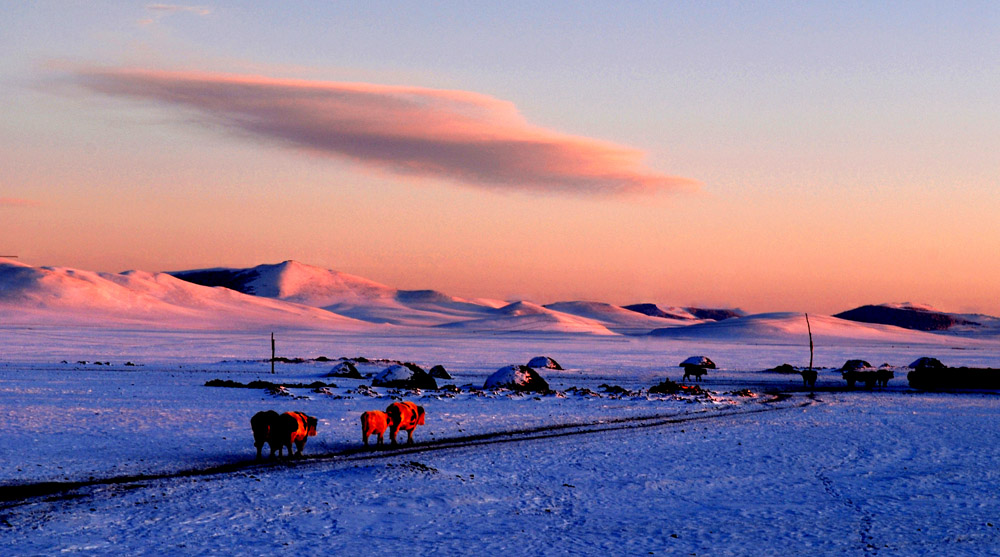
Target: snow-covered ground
[[885, 472]]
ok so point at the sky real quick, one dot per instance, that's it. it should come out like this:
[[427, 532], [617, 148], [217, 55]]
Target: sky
[[771, 156]]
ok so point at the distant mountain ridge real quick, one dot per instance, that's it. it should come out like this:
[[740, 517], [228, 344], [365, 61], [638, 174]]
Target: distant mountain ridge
[[919, 318], [293, 295], [685, 313]]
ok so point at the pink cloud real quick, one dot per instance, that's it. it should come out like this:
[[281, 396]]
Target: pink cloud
[[459, 135], [174, 8], [14, 202]]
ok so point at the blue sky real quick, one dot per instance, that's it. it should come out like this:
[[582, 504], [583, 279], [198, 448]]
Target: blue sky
[[837, 147]]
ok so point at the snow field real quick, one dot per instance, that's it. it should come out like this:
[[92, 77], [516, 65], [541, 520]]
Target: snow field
[[890, 472]]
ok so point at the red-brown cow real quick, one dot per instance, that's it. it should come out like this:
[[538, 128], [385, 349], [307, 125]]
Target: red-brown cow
[[374, 421], [293, 428], [404, 416]]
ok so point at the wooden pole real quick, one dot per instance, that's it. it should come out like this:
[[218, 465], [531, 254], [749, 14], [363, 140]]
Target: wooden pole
[[272, 353], [809, 328]]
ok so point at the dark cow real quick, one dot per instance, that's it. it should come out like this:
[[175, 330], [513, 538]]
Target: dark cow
[[404, 416], [809, 378], [262, 424], [882, 377], [693, 371]]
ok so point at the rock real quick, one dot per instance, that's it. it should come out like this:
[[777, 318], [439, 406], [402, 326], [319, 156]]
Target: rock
[[783, 368], [665, 387], [544, 362], [438, 372], [517, 378]]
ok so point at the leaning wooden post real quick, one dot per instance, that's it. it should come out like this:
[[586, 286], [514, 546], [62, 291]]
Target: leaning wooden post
[[809, 328], [272, 352]]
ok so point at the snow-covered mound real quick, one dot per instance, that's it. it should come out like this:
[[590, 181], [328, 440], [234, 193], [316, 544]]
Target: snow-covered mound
[[790, 328], [544, 362], [62, 296], [517, 378], [342, 293], [857, 365], [618, 319], [345, 369], [404, 376], [698, 361], [926, 362]]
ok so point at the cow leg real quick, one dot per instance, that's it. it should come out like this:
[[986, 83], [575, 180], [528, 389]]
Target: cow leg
[[409, 437], [380, 441], [392, 434]]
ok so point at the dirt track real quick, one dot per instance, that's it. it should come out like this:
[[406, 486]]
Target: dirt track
[[12, 496]]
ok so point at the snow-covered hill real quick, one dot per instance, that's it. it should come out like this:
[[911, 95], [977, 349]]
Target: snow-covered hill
[[63, 296], [342, 293], [791, 328], [528, 317], [296, 295], [922, 317], [618, 319]]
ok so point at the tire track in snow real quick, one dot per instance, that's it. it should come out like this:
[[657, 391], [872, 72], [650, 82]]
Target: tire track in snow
[[866, 519], [12, 496]]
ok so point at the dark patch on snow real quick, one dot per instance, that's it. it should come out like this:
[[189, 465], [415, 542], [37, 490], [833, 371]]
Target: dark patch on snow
[[653, 310], [233, 279], [714, 314], [266, 385], [783, 368]]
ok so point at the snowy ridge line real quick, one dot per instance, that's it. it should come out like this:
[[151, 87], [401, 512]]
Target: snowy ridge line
[[14, 495]]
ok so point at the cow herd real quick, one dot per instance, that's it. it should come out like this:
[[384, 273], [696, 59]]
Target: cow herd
[[281, 431]]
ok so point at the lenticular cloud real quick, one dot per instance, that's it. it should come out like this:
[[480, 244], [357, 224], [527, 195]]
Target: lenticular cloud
[[458, 135]]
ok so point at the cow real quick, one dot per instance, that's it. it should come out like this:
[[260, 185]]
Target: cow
[[696, 371], [882, 377], [262, 424], [809, 378], [292, 429], [404, 416], [374, 421]]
